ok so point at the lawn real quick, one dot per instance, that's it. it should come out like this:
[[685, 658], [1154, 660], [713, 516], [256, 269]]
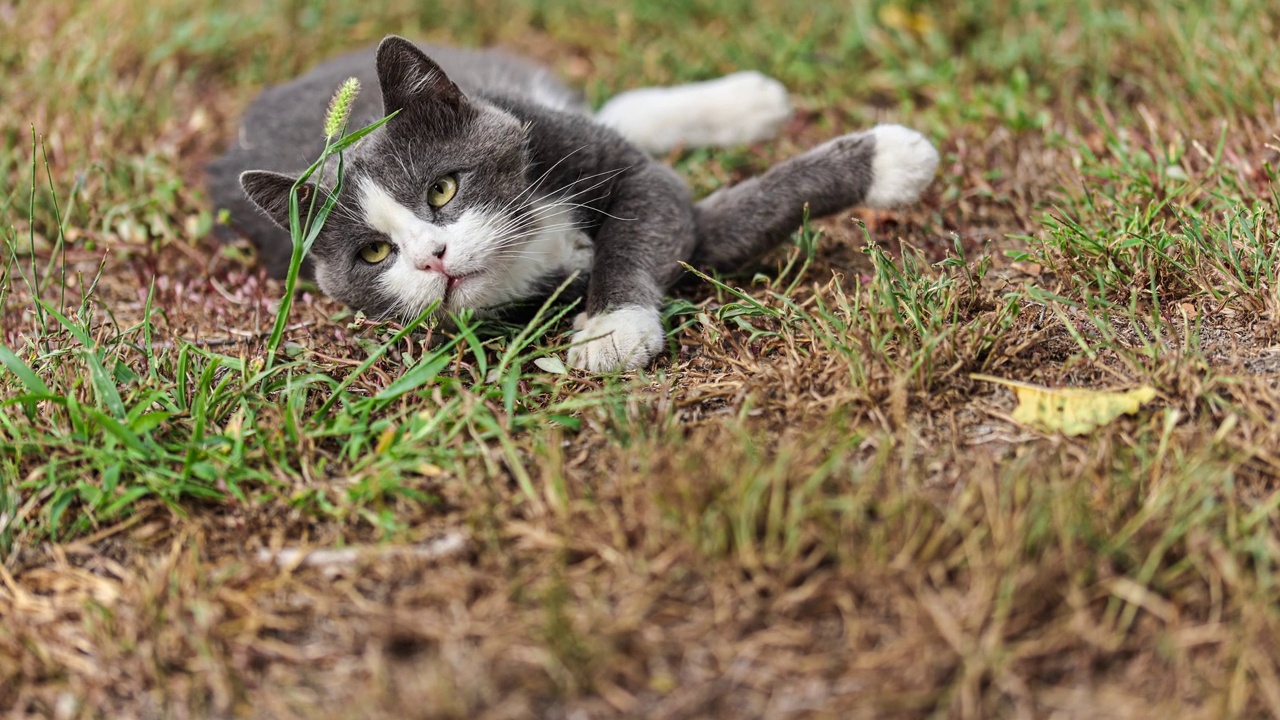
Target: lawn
[[808, 507]]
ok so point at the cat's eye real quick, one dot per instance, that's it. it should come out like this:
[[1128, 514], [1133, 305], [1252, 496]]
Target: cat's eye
[[375, 252], [442, 191]]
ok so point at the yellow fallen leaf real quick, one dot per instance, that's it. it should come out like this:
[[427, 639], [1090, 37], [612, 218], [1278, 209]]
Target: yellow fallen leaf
[[235, 425], [899, 18], [1071, 410], [385, 439]]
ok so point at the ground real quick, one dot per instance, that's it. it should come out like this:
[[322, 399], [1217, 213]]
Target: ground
[[808, 507]]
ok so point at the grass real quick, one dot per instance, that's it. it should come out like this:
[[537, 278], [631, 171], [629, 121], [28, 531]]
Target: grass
[[806, 508]]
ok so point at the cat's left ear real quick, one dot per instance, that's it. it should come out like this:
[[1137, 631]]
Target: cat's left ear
[[270, 191], [408, 76]]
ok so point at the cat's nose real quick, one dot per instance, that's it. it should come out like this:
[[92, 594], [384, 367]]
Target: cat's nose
[[434, 260]]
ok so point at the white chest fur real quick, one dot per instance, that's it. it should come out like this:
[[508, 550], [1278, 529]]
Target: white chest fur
[[555, 246]]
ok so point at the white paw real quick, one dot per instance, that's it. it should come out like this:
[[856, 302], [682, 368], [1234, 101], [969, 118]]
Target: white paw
[[903, 166], [740, 108], [622, 339]]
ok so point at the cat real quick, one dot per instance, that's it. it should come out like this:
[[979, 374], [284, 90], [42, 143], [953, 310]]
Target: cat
[[494, 184]]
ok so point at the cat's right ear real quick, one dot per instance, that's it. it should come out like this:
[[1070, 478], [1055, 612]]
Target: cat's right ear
[[270, 191], [407, 76]]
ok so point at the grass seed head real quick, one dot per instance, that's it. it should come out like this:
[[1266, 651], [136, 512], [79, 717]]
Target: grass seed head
[[340, 107]]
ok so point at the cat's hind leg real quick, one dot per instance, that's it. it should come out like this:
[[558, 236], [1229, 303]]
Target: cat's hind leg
[[740, 108], [886, 166]]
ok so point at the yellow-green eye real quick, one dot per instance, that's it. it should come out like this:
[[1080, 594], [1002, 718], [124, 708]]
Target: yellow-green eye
[[442, 191], [375, 252]]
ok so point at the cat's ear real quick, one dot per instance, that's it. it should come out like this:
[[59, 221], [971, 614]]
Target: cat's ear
[[270, 191], [408, 76]]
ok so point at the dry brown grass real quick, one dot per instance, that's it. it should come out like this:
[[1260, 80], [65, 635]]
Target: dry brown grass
[[769, 526]]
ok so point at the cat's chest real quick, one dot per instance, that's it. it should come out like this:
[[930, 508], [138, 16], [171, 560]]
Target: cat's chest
[[557, 247], [561, 239]]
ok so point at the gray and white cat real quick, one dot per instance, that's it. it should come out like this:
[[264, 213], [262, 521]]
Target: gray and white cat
[[494, 184]]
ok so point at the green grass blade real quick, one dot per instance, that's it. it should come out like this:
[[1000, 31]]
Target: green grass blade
[[25, 374], [420, 374], [72, 327], [104, 386], [374, 357], [116, 429]]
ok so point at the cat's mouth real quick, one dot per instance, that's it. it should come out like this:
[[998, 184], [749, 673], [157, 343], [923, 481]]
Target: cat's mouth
[[452, 281]]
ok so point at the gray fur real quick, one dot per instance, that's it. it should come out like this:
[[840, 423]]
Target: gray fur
[[516, 134], [743, 221]]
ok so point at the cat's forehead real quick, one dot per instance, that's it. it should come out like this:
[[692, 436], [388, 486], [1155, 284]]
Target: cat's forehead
[[413, 152], [389, 154]]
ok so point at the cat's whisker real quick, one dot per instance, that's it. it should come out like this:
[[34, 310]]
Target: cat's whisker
[[521, 226], [504, 251], [517, 226], [567, 207], [403, 167], [554, 197], [509, 223], [606, 175], [546, 228], [561, 195], [507, 218], [392, 312], [511, 238], [508, 259], [346, 214], [533, 226], [538, 183], [558, 197]]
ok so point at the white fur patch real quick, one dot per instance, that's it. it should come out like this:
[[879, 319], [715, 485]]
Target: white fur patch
[[623, 339], [740, 108], [903, 167], [493, 269], [386, 215]]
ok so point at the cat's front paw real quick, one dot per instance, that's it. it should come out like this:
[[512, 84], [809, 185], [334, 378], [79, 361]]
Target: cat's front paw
[[902, 168], [623, 339]]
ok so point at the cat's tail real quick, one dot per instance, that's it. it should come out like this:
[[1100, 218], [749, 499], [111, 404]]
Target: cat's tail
[[886, 166]]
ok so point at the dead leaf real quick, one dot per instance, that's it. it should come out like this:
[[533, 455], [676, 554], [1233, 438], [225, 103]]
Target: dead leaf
[[551, 364], [1071, 410], [1028, 268], [899, 18], [385, 440]]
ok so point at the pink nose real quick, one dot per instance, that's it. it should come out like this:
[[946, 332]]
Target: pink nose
[[435, 262]]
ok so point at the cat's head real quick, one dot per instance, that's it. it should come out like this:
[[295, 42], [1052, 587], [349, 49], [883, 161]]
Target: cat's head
[[434, 205]]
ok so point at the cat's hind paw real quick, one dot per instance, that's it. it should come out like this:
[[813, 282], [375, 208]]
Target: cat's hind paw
[[740, 108], [626, 338], [904, 165]]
